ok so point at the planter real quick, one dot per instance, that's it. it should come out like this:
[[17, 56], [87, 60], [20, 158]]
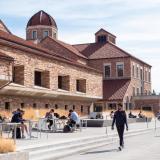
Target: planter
[[15, 156]]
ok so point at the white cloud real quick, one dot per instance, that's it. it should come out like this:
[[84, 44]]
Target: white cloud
[[135, 22]]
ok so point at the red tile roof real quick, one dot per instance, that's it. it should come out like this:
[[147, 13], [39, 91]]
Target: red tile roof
[[102, 30], [104, 51], [115, 89], [69, 47], [100, 50], [22, 44], [41, 18], [7, 30]]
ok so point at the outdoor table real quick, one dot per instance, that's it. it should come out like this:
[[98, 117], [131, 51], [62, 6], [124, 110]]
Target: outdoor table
[[58, 124]]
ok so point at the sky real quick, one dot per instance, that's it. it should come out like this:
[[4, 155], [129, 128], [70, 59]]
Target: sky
[[136, 23]]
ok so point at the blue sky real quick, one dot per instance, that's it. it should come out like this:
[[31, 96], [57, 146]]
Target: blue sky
[[136, 23]]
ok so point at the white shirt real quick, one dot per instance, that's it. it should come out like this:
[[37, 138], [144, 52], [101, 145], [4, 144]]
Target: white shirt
[[74, 116]]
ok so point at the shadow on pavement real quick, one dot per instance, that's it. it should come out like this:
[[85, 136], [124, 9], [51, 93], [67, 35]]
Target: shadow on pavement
[[103, 151]]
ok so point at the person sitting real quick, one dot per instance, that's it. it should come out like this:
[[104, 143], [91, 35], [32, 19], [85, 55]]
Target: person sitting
[[140, 115], [112, 114], [18, 118], [130, 115], [73, 118], [50, 115]]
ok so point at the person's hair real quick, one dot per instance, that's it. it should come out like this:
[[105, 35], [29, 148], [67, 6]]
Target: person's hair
[[119, 105], [18, 109], [70, 110], [22, 111], [52, 110]]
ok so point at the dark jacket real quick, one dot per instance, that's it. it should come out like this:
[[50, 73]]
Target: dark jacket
[[17, 118], [120, 118]]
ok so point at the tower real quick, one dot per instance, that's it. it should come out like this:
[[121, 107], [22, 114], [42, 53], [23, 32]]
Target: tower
[[41, 25]]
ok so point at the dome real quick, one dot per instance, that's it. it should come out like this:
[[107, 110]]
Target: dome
[[42, 18]]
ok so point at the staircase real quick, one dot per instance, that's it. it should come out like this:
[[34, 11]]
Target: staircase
[[54, 151]]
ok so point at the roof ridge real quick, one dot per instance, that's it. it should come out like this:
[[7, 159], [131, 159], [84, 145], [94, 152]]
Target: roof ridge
[[63, 44], [10, 38], [129, 54]]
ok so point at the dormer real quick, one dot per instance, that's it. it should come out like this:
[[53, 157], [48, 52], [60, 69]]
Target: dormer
[[102, 36]]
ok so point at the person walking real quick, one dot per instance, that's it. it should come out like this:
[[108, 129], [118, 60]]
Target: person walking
[[120, 119]]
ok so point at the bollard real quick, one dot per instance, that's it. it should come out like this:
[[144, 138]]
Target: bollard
[[106, 126], [147, 121], [155, 124]]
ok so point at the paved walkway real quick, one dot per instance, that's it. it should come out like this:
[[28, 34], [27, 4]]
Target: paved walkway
[[88, 132], [142, 147]]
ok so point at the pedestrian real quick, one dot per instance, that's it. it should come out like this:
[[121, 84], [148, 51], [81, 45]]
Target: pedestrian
[[50, 116], [120, 119]]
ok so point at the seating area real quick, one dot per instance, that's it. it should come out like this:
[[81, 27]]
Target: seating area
[[9, 129]]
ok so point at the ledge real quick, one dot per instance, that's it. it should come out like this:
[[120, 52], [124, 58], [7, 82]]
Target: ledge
[[15, 156]]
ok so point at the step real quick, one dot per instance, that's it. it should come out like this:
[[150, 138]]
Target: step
[[67, 147], [58, 144], [72, 149]]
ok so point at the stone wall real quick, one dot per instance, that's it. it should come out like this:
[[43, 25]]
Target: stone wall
[[99, 64], [27, 102], [147, 101], [33, 62]]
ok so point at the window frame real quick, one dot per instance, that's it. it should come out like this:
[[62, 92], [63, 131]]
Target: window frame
[[45, 32], [104, 70], [119, 63], [34, 37]]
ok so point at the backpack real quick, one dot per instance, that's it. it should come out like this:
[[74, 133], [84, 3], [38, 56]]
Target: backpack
[[66, 129]]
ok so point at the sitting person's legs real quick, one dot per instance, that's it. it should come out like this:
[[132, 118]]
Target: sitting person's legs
[[50, 123], [23, 128]]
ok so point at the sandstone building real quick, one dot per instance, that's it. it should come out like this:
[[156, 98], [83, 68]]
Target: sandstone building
[[43, 71]]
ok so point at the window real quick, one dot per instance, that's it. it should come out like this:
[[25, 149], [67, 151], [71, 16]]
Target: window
[[38, 78], [98, 108], [18, 74], [137, 72], [54, 35], [134, 91], [74, 107], [7, 105], [102, 39], [65, 107], [141, 90], [42, 79], [81, 109], [81, 85], [46, 106], [141, 74], [137, 91], [107, 70], [45, 34], [34, 105], [34, 34], [112, 106], [88, 109], [133, 70], [120, 68], [149, 76], [63, 82], [56, 106], [147, 108], [22, 105], [146, 73]]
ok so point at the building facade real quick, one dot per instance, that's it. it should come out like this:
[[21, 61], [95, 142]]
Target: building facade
[[43, 71]]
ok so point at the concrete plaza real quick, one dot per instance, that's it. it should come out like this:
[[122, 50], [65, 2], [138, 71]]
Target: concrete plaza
[[144, 146]]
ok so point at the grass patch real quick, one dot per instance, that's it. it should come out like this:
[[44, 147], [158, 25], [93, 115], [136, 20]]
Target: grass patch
[[7, 145]]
